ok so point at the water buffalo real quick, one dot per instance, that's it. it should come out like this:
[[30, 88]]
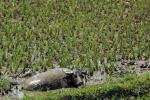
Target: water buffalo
[[54, 79]]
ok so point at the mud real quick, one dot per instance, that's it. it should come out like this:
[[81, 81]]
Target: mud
[[131, 66], [29, 80]]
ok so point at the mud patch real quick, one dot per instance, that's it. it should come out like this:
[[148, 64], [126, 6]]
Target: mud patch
[[98, 77]]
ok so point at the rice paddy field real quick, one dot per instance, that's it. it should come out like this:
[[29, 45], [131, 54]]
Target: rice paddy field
[[37, 34]]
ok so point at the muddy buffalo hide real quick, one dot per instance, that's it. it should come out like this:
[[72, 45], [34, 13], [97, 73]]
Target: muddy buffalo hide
[[53, 79]]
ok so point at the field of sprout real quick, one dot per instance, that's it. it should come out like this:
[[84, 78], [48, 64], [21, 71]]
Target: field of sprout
[[37, 34]]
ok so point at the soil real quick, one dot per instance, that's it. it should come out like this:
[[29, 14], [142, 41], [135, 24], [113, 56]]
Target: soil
[[98, 77]]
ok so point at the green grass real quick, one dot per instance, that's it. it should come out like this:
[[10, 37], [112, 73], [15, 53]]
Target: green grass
[[136, 86], [5, 85], [74, 33]]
